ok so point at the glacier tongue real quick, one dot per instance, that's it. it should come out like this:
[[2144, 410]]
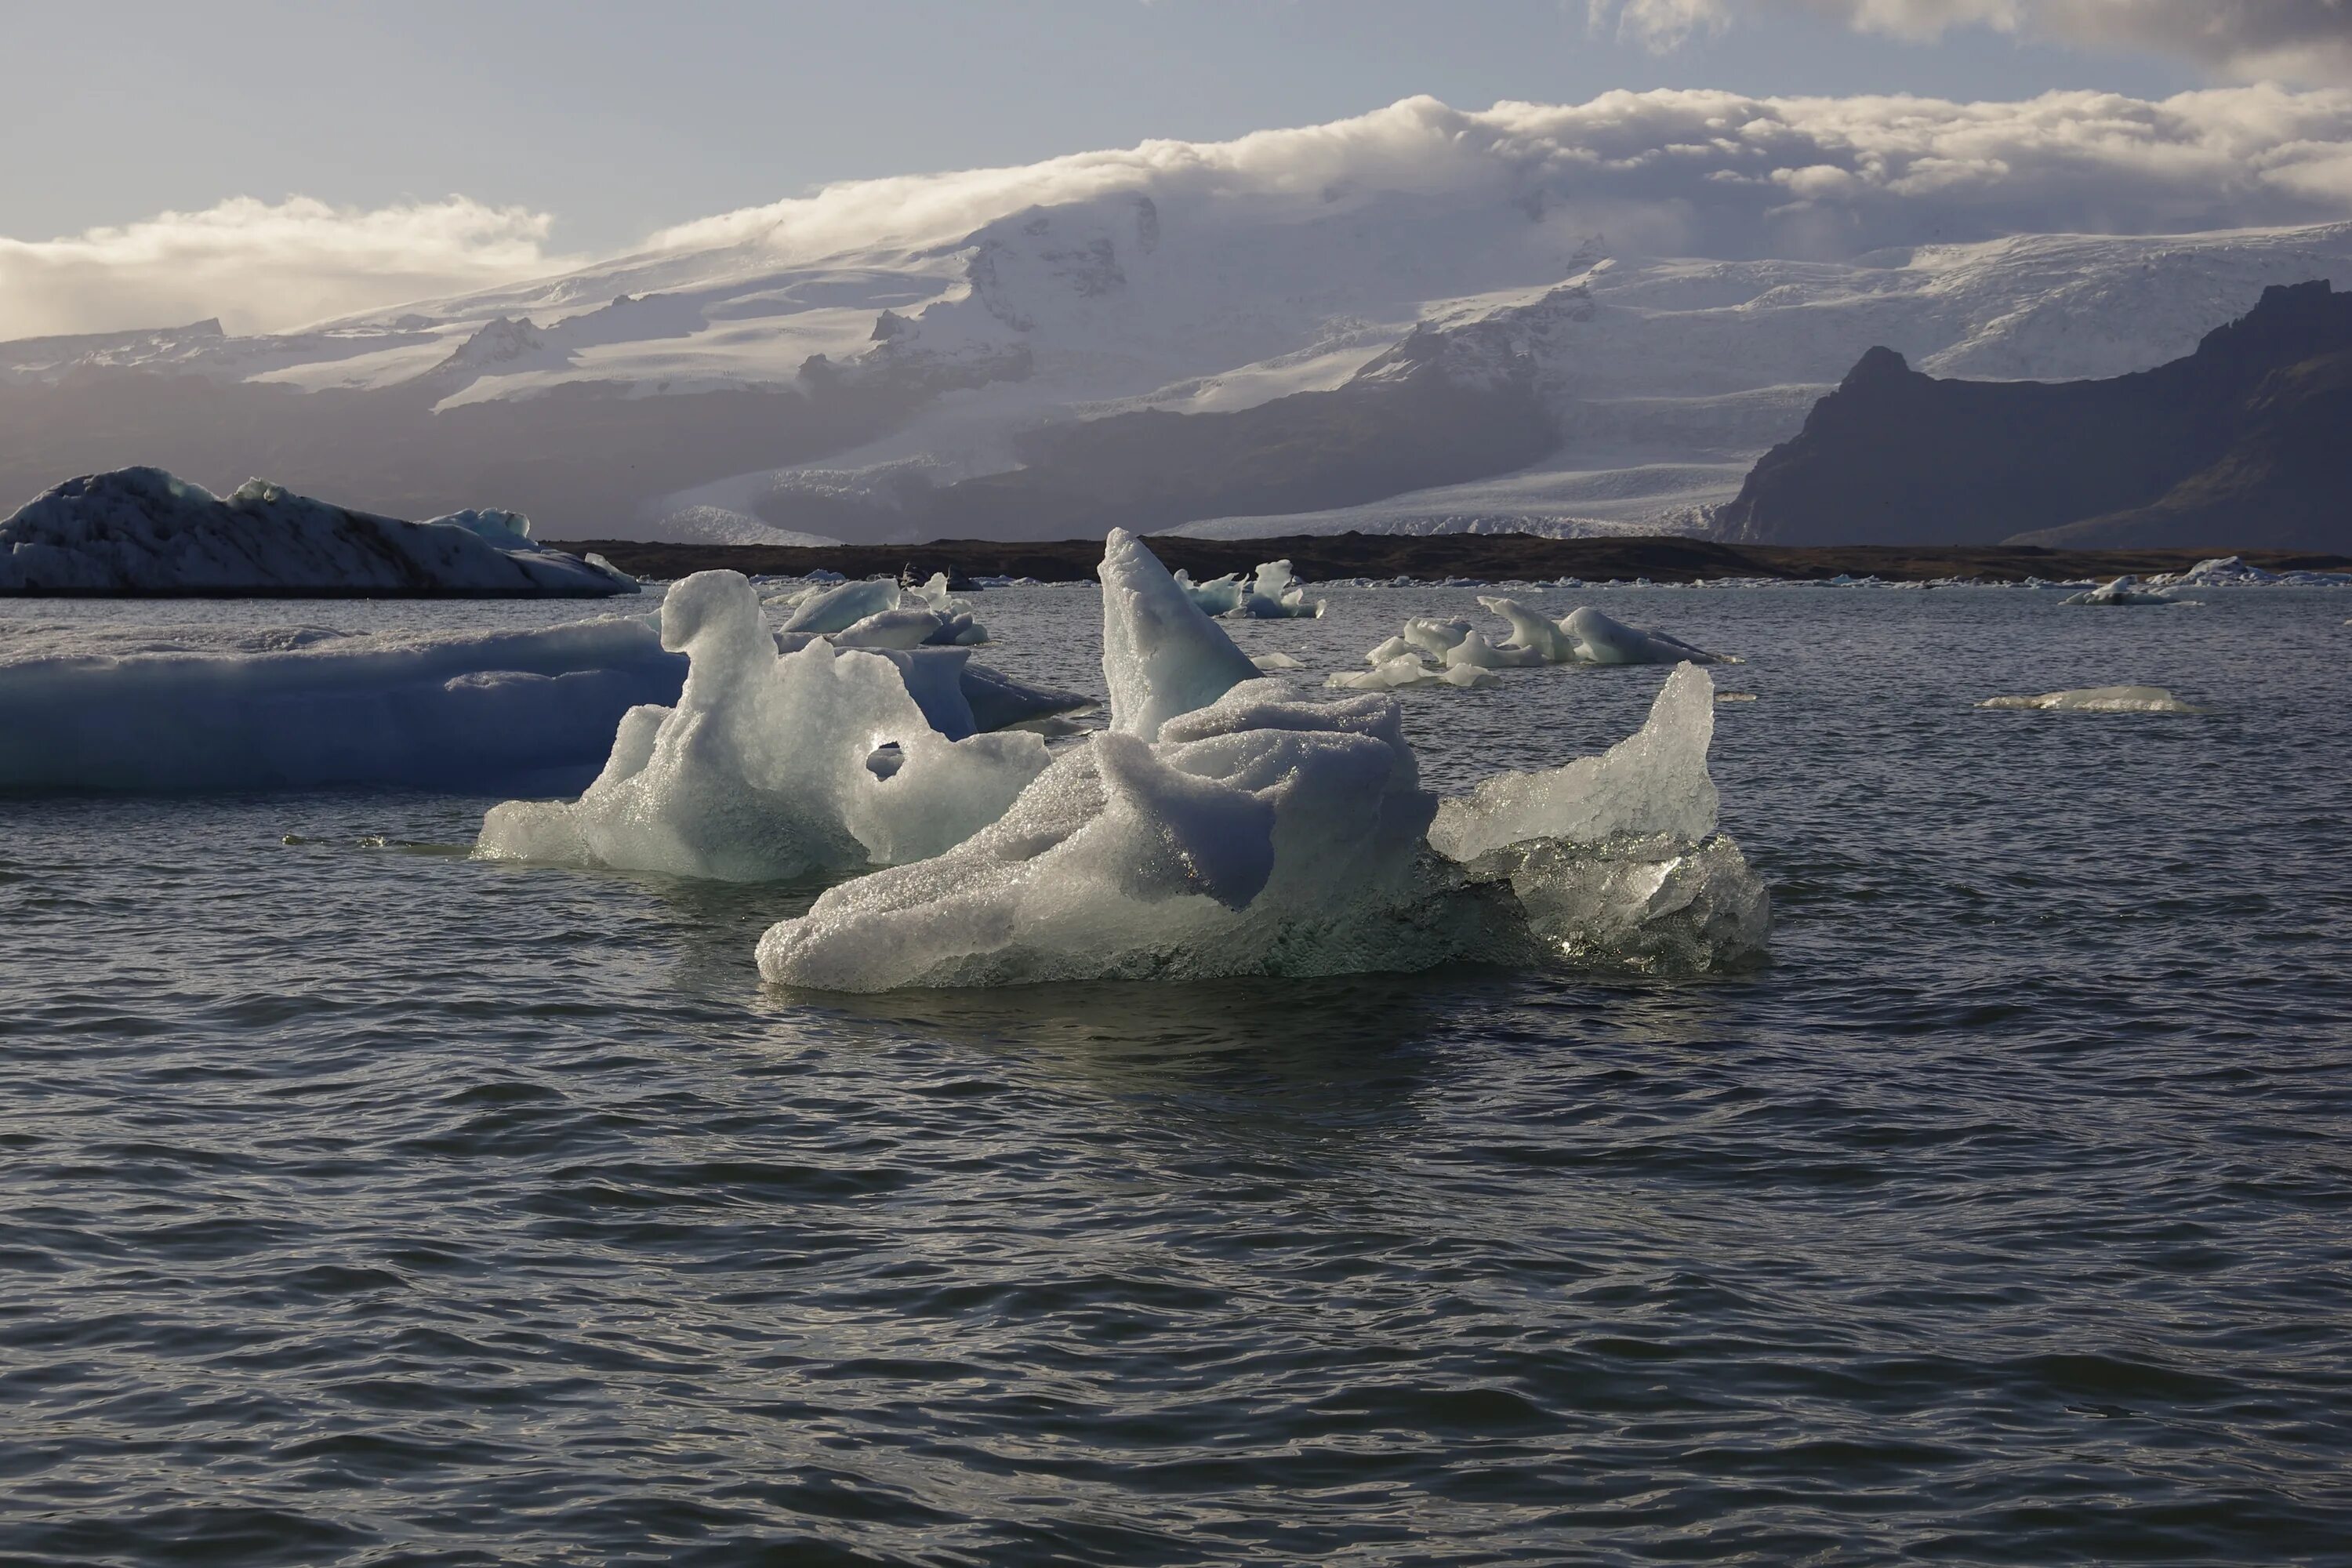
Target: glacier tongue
[[762, 769], [1161, 656]]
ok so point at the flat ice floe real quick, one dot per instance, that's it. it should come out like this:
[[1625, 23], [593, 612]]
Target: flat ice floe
[[770, 765], [1234, 827], [140, 531], [1429, 651], [2099, 699], [2120, 593], [304, 706]]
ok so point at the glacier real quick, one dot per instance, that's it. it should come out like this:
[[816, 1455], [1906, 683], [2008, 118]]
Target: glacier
[[142, 530], [1225, 824]]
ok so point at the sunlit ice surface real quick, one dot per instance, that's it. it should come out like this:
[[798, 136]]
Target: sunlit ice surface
[[362, 1198]]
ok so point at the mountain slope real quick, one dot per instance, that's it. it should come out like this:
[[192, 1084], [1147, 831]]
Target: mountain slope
[[2245, 443], [1210, 336]]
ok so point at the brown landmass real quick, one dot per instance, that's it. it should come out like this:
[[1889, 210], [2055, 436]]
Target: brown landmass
[[1492, 557]]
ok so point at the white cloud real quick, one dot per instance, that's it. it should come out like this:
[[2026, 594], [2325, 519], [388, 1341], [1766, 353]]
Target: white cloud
[[262, 267], [1705, 172], [2293, 40]]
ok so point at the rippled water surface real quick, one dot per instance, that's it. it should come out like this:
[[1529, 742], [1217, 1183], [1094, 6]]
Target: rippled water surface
[[363, 1204]]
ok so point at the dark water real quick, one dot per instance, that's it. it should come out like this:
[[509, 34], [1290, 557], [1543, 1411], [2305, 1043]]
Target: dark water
[[361, 1203]]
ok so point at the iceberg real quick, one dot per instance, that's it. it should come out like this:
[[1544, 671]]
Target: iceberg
[[1162, 654], [1254, 831], [2122, 590], [2099, 699], [1653, 782], [307, 707], [1600, 640], [1271, 592], [767, 766], [822, 609], [1462, 654], [143, 532]]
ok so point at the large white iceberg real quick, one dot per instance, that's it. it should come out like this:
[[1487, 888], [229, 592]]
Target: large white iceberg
[[1232, 826], [2099, 699], [140, 531], [772, 763]]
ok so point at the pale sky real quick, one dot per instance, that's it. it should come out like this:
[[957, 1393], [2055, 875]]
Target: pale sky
[[616, 118]]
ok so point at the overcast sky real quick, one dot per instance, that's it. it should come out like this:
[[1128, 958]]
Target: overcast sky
[[443, 144]]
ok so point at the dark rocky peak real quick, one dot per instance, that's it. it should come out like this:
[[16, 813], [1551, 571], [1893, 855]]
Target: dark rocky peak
[[1878, 366], [2290, 321]]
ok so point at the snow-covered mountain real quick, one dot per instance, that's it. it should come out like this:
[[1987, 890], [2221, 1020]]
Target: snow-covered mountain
[[1155, 342]]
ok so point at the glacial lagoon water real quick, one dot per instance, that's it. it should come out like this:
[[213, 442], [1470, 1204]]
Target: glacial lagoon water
[[361, 1202]]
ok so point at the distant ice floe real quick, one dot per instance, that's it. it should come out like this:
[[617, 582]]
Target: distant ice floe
[[1271, 592], [2123, 591], [2099, 699], [1226, 825], [768, 766], [141, 530], [1429, 651], [2231, 572]]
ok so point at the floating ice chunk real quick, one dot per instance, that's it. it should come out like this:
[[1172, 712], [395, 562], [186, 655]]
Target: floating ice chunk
[[1600, 640], [2122, 590], [896, 628], [1433, 636], [1531, 631], [1653, 782], [1217, 596], [2099, 699], [1408, 669], [141, 530], [1396, 647], [839, 609], [1273, 661], [304, 706], [1161, 656], [1477, 652], [761, 770], [1274, 592], [1263, 835]]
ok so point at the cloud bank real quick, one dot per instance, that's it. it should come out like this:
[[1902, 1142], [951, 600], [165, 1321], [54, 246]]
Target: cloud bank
[[2291, 40], [1663, 173], [262, 267], [1701, 173]]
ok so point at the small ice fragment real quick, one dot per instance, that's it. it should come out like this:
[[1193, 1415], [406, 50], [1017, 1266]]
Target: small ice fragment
[[2099, 699], [2122, 590]]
